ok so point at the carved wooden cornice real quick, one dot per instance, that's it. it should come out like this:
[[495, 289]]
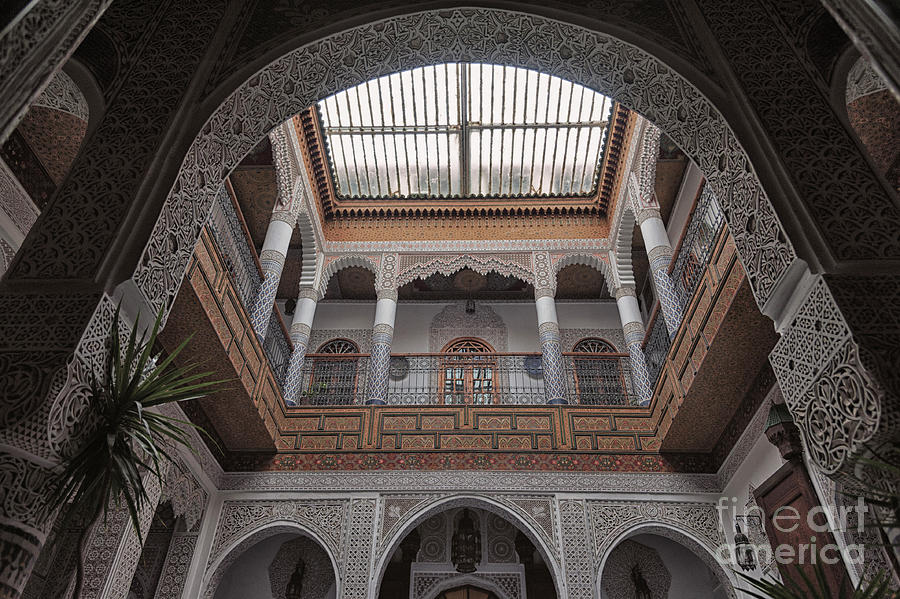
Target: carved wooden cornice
[[333, 207]]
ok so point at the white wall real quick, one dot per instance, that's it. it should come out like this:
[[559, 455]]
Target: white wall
[[413, 323]]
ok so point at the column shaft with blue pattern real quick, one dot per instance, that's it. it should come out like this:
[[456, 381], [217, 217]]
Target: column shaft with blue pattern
[[551, 349], [633, 327], [274, 251], [659, 251], [301, 327], [382, 336]]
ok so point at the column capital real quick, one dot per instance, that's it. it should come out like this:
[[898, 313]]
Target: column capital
[[647, 213], [625, 291], [389, 293], [309, 293], [286, 216], [540, 292]]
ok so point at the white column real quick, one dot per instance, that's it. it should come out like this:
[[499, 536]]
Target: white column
[[633, 327], [382, 336], [301, 327], [275, 248], [551, 350], [659, 252]]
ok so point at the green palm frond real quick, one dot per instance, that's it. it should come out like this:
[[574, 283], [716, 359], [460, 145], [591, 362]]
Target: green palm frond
[[130, 442], [816, 587]]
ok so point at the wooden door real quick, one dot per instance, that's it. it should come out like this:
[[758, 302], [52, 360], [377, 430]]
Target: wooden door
[[467, 592]]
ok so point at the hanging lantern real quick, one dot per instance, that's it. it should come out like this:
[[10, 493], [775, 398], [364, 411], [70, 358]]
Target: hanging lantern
[[295, 584], [743, 550], [466, 545]]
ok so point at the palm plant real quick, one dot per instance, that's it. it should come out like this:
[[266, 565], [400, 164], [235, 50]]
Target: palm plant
[[817, 588], [129, 442]]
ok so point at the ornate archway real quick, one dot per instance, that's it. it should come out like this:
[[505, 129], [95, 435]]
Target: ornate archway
[[420, 512], [598, 61], [225, 558]]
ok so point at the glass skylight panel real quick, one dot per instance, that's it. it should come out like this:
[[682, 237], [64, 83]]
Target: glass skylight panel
[[462, 130]]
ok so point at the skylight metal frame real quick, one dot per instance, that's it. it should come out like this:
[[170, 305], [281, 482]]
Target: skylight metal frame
[[461, 124]]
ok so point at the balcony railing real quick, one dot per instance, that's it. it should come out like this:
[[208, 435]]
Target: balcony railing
[[477, 379], [277, 348], [242, 264], [657, 345], [693, 254], [233, 240], [706, 222]]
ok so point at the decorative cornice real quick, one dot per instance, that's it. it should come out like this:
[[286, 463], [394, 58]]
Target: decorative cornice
[[469, 481], [309, 130]]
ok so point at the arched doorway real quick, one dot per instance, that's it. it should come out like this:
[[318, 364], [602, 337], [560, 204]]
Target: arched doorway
[[515, 557], [468, 372], [335, 374], [599, 379], [467, 592]]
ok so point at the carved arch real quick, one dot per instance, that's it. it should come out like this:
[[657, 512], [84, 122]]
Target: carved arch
[[592, 260], [606, 64], [447, 265], [684, 537], [343, 262], [505, 510], [219, 566]]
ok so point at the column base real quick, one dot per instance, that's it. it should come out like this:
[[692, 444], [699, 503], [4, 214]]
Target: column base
[[557, 401], [376, 402]]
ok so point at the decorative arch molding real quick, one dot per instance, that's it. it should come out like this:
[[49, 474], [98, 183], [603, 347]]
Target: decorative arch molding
[[424, 507], [63, 94], [862, 80], [218, 567], [696, 541], [597, 261], [597, 60], [422, 266], [335, 263]]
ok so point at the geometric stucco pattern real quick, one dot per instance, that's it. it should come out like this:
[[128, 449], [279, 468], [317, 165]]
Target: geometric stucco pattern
[[764, 41], [834, 399], [609, 519], [599, 61], [238, 518]]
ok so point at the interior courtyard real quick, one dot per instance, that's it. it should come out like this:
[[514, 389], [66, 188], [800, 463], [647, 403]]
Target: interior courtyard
[[509, 299]]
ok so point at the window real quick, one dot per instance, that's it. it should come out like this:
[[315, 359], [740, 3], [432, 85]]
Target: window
[[599, 379], [334, 379], [468, 371], [465, 130]]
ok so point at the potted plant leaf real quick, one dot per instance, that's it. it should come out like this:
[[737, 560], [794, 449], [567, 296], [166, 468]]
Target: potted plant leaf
[[130, 442]]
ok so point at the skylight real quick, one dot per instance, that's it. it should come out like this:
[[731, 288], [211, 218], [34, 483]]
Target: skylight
[[464, 130]]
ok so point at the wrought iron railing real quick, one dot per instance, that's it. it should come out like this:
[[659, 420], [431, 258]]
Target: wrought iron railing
[[476, 379], [234, 243], [704, 228], [657, 345], [277, 348], [706, 222]]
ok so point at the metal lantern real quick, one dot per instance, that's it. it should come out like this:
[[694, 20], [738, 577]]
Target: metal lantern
[[466, 546], [295, 584], [743, 550]]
